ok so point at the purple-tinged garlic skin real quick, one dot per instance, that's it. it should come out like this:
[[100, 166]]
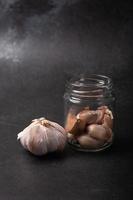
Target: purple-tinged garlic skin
[[87, 117], [43, 136]]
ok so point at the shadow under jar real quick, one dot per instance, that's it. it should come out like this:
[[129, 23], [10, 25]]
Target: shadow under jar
[[89, 114]]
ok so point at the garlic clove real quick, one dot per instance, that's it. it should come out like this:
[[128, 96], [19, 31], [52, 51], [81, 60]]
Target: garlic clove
[[98, 132], [70, 122], [57, 140], [100, 116], [108, 121], [109, 112], [33, 140], [58, 128], [103, 108], [52, 140], [35, 143], [106, 111], [88, 142], [87, 117], [77, 129]]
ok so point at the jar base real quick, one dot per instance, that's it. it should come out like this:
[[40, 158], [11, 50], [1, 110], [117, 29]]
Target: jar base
[[79, 148]]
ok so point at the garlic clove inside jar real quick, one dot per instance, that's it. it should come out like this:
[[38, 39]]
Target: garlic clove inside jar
[[98, 132], [70, 122], [87, 116], [86, 141], [107, 121]]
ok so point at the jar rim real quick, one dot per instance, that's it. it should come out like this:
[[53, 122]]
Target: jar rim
[[88, 80], [89, 85]]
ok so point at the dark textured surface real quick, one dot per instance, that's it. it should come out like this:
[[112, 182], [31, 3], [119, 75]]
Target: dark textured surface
[[42, 43]]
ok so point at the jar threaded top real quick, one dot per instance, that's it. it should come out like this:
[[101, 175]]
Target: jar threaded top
[[89, 86]]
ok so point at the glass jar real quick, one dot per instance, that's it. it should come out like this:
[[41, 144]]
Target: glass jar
[[89, 114]]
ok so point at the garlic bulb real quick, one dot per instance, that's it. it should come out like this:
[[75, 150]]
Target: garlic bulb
[[43, 136]]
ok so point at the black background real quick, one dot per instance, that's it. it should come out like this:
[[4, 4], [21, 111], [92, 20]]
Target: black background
[[42, 44]]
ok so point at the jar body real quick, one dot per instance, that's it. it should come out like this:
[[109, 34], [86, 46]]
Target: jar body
[[89, 113]]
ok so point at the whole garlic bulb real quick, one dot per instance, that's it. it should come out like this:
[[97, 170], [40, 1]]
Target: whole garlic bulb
[[43, 136]]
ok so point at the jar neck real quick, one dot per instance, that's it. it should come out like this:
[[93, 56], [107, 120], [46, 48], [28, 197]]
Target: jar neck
[[89, 87]]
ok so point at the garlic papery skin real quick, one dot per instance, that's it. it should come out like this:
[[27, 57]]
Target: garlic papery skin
[[43, 136]]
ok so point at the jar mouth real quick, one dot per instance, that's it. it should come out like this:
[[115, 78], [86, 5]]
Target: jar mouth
[[91, 80], [89, 85]]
